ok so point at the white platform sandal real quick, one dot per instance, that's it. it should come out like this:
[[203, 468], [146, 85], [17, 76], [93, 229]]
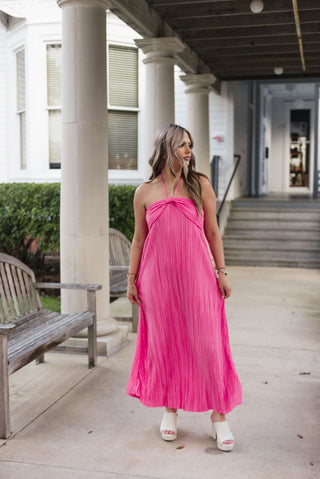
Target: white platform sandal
[[169, 423], [222, 433]]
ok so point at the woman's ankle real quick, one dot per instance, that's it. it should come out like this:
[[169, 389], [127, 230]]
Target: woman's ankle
[[169, 409], [217, 417]]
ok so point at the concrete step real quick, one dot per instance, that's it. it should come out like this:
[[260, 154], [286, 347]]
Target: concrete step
[[307, 204], [279, 262], [248, 223], [267, 243], [292, 215], [242, 252], [285, 234]]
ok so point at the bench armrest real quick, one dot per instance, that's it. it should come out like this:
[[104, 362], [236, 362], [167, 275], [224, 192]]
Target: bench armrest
[[118, 268], [88, 287], [7, 328]]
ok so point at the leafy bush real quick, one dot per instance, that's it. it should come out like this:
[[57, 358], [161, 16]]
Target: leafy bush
[[30, 218], [121, 216]]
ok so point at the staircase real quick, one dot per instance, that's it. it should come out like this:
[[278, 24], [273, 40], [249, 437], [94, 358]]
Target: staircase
[[265, 232]]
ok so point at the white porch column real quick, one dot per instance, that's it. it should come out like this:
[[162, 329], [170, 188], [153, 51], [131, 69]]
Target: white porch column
[[197, 90], [84, 182], [159, 88]]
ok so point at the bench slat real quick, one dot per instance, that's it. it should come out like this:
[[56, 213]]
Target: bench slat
[[7, 300], [37, 328], [16, 282], [24, 341], [12, 289], [30, 321], [23, 291], [48, 340]]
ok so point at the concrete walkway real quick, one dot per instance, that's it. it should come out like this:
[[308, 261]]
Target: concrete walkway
[[69, 422]]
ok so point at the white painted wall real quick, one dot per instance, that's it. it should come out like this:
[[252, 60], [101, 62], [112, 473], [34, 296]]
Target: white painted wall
[[239, 185], [276, 163], [4, 83], [221, 111]]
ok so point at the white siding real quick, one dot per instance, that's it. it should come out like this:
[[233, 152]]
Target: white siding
[[4, 173], [180, 99], [276, 163], [241, 135], [221, 118]]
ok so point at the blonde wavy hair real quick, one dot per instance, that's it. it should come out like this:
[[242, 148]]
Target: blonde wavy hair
[[168, 138]]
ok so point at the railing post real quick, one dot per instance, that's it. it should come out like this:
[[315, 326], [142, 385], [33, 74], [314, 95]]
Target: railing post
[[215, 174], [238, 158]]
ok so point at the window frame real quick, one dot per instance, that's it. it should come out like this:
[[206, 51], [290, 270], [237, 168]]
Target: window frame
[[125, 175], [49, 107], [21, 113]]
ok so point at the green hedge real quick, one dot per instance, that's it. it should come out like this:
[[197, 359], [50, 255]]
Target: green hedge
[[121, 216], [29, 220], [30, 216]]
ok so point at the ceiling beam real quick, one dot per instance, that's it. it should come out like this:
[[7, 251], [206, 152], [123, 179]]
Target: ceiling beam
[[237, 43], [143, 19], [228, 8]]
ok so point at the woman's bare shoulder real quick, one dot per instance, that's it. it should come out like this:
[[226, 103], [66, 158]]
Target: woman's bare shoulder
[[206, 188], [144, 190]]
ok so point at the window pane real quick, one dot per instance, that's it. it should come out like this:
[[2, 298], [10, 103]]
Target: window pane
[[123, 76], [55, 138], [20, 80], [122, 134], [54, 68]]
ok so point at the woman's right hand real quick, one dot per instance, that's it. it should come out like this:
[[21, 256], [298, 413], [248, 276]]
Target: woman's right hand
[[132, 294]]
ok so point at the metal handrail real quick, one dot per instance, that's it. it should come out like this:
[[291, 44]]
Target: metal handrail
[[238, 158]]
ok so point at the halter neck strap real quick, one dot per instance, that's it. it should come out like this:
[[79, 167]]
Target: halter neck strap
[[164, 188], [175, 193]]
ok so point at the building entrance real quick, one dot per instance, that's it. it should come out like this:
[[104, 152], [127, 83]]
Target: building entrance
[[299, 163]]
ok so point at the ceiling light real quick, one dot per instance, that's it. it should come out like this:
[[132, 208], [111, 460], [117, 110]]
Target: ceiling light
[[278, 70], [256, 6]]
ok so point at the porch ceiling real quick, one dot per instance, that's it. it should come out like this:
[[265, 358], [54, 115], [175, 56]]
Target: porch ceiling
[[237, 44]]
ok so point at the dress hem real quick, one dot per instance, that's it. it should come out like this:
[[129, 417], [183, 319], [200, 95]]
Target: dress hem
[[186, 408]]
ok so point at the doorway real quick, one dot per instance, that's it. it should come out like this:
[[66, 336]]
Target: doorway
[[299, 163]]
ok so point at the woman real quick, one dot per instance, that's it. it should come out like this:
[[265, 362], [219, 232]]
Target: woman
[[183, 358]]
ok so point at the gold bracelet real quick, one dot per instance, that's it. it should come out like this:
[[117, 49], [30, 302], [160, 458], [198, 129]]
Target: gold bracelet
[[131, 274], [222, 267]]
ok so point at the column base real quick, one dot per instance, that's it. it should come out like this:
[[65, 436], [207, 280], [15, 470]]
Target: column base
[[107, 344]]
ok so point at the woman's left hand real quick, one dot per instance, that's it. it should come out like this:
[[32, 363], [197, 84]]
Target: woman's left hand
[[224, 286]]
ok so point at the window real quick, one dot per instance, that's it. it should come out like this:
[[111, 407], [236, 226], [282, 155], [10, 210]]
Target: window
[[123, 108], [54, 91], [21, 107]]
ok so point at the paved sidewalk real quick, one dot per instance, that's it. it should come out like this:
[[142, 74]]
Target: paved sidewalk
[[71, 422]]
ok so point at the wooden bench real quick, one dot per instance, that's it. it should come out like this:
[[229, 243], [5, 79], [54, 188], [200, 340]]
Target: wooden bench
[[27, 330], [119, 255]]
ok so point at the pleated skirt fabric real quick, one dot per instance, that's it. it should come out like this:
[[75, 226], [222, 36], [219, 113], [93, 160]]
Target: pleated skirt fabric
[[182, 358]]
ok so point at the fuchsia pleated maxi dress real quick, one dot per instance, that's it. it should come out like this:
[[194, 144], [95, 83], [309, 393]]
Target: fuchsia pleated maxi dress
[[182, 358]]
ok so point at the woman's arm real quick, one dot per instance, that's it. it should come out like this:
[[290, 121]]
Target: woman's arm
[[213, 235], [140, 233]]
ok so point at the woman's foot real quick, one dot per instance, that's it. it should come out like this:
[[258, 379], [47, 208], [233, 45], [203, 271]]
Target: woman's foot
[[221, 432], [168, 428]]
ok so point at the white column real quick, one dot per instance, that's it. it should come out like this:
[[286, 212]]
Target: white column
[[159, 88], [84, 181], [197, 90]]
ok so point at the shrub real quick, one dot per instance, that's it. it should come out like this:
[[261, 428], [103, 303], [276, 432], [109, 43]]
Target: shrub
[[121, 216], [30, 218]]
